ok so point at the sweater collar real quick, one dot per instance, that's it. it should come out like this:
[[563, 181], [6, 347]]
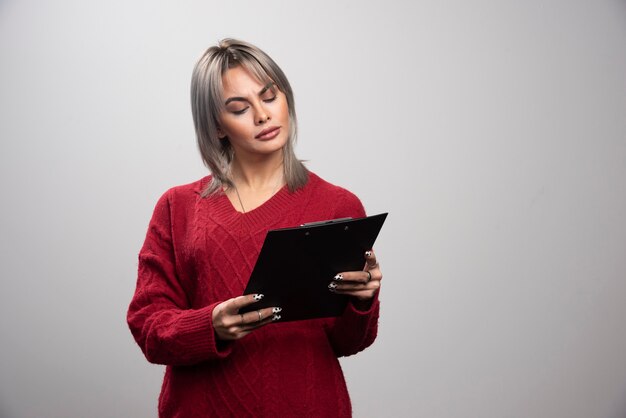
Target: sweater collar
[[267, 214]]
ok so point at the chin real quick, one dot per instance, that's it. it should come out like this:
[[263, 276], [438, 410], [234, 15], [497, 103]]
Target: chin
[[275, 143]]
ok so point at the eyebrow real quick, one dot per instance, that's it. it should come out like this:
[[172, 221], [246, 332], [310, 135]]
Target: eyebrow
[[243, 99]]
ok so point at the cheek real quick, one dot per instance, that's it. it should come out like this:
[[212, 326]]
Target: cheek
[[284, 110], [233, 127]]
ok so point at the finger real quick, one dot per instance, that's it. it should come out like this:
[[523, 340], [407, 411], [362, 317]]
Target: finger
[[238, 326], [233, 305], [359, 294], [268, 316], [353, 286], [354, 277], [370, 260]]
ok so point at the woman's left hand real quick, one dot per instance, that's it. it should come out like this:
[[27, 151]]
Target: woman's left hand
[[362, 285]]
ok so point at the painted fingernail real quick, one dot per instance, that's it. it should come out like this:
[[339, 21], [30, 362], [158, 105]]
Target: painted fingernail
[[258, 297], [276, 317], [332, 287], [368, 254], [339, 277], [276, 310]]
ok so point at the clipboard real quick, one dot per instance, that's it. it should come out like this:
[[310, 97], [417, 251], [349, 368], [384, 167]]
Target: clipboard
[[296, 265]]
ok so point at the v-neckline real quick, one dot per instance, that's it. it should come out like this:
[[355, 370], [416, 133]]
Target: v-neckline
[[266, 215], [233, 208]]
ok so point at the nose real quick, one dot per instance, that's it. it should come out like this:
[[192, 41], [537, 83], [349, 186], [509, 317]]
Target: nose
[[261, 115]]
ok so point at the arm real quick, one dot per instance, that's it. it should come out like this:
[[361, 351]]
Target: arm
[[357, 328], [167, 330]]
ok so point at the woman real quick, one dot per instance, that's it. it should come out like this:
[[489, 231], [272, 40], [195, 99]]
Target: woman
[[203, 241]]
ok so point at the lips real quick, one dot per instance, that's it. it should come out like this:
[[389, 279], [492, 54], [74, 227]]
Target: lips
[[268, 133]]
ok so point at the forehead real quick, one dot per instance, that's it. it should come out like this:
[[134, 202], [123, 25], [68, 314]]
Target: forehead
[[239, 80]]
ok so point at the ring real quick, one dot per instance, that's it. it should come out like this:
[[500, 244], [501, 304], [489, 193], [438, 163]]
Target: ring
[[260, 317], [241, 315], [369, 276]]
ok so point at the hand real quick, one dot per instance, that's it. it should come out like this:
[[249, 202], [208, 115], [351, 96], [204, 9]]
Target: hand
[[229, 324], [363, 285]]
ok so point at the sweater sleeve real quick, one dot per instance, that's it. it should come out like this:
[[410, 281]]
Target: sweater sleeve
[[167, 330], [356, 329]]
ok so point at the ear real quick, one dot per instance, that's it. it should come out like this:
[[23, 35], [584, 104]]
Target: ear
[[220, 133]]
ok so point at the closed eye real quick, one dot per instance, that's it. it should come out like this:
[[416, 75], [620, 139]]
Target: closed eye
[[240, 112]]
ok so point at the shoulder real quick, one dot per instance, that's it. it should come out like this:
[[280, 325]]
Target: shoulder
[[344, 202], [186, 191], [190, 189], [181, 196], [324, 187]]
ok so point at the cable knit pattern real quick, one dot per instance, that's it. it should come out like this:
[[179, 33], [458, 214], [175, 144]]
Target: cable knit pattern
[[199, 252]]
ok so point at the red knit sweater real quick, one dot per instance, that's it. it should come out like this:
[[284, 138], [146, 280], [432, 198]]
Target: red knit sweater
[[199, 252]]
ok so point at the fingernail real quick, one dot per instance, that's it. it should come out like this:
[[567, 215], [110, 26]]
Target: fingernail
[[258, 297], [368, 254], [276, 317], [276, 310], [339, 277], [332, 287]]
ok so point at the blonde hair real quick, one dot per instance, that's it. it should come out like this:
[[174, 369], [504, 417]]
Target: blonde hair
[[207, 104]]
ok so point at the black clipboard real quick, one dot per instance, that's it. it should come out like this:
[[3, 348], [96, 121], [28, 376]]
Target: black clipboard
[[296, 265]]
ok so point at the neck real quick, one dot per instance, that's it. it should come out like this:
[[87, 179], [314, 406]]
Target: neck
[[258, 174]]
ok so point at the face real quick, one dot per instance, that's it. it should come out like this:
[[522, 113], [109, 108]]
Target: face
[[256, 119]]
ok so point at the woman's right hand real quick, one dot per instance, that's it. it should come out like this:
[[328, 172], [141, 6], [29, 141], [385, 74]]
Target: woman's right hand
[[229, 324]]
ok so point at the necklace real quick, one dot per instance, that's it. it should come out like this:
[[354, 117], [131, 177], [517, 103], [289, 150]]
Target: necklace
[[243, 209]]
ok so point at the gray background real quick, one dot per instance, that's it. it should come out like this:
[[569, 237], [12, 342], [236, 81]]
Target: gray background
[[494, 133]]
